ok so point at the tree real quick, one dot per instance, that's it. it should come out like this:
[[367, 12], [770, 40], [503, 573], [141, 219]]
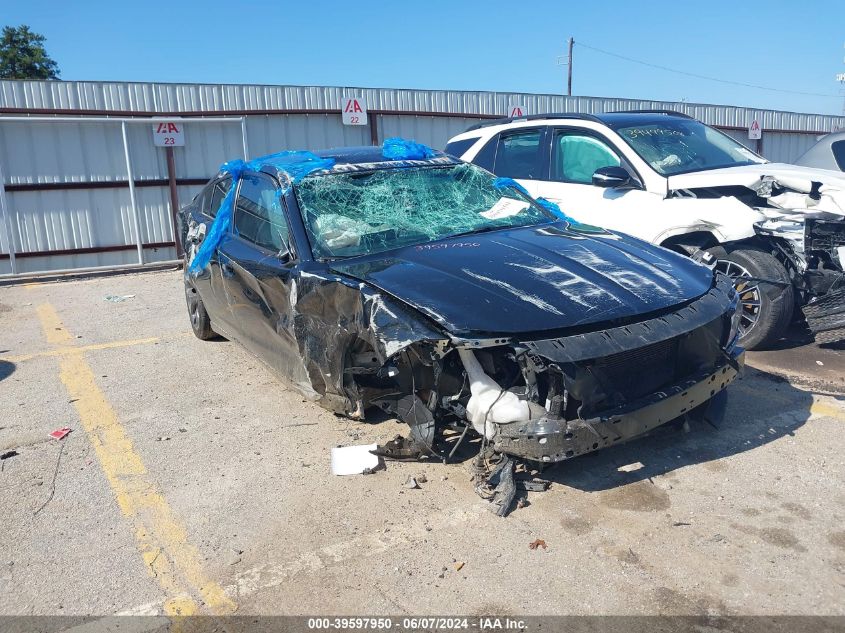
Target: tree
[[22, 55]]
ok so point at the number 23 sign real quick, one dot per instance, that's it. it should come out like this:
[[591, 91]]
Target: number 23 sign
[[168, 134]]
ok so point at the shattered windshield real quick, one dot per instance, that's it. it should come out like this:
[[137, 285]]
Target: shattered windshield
[[677, 146], [371, 212]]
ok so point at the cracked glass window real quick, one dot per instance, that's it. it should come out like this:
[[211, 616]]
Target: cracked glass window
[[372, 212], [683, 146]]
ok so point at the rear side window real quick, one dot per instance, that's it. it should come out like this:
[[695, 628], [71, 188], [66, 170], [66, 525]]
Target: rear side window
[[457, 148], [838, 149], [518, 155], [213, 198], [258, 214]]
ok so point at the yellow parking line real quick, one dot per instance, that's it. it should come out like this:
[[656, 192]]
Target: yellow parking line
[[161, 538], [827, 410], [83, 348]]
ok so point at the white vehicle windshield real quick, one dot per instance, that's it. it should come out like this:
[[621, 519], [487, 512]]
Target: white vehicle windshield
[[678, 146]]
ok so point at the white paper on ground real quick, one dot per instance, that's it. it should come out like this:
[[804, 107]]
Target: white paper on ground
[[352, 460]]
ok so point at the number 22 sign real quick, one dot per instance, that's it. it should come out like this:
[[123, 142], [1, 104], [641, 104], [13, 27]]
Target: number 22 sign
[[354, 111]]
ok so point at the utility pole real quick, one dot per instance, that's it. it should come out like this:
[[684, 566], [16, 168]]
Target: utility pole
[[569, 68]]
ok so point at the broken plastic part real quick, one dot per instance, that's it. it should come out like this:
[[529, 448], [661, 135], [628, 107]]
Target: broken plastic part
[[489, 404], [396, 148]]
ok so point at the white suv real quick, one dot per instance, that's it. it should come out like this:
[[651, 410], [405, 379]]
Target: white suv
[[664, 177]]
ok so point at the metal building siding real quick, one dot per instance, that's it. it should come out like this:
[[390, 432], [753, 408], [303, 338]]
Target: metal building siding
[[785, 147], [36, 152], [275, 132], [61, 220], [157, 97], [431, 130]]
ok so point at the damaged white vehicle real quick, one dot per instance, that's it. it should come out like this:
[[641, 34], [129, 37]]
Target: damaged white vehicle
[[777, 230]]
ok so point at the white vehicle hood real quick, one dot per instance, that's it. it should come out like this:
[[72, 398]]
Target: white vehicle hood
[[800, 198], [748, 175]]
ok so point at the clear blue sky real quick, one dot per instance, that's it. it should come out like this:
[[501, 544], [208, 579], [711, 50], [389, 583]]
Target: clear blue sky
[[484, 45]]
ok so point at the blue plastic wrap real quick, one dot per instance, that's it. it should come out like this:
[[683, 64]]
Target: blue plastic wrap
[[296, 164], [402, 149], [551, 206], [504, 183]]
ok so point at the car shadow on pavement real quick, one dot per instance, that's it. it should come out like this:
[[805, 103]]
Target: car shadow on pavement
[[6, 369], [799, 335], [762, 408]]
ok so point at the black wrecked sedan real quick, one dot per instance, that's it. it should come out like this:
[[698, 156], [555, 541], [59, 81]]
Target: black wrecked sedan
[[432, 290]]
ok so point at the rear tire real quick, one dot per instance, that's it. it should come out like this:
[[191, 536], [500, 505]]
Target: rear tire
[[766, 307], [200, 321]]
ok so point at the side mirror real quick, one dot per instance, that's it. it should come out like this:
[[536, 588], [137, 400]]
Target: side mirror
[[612, 177]]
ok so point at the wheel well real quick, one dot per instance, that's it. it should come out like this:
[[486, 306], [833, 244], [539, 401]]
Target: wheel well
[[689, 243]]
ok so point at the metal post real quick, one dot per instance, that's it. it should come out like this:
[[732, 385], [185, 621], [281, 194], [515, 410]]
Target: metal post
[[373, 129], [7, 217], [243, 137], [131, 177], [569, 68], [174, 197]]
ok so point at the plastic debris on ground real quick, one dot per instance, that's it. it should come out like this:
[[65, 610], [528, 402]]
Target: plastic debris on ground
[[60, 433], [396, 148], [354, 460], [118, 298]]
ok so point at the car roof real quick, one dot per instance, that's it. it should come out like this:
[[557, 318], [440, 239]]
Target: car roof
[[611, 119], [357, 158]]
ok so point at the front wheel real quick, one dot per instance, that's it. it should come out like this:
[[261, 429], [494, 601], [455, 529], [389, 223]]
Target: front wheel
[[766, 295]]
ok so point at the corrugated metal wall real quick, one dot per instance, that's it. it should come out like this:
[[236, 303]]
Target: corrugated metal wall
[[35, 156]]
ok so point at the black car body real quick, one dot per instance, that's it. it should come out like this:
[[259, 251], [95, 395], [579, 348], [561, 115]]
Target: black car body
[[591, 337]]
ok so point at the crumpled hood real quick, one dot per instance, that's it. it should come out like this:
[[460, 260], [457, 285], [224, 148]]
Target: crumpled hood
[[532, 279], [798, 190], [748, 175]]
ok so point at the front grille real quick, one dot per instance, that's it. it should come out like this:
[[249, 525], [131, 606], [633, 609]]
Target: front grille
[[638, 372]]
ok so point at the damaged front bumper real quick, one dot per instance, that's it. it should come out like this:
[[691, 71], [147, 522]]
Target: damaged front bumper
[[552, 440]]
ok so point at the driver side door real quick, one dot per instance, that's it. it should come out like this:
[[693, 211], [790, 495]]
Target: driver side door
[[256, 264]]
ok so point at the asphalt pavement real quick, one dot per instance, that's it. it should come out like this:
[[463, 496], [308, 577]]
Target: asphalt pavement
[[194, 481]]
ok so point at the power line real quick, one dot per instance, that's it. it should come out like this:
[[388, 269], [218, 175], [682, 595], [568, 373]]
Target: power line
[[705, 77]]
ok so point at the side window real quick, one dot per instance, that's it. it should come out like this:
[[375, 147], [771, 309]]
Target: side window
[[576, 156], [457, 148], [214, 197], [519, 156], [487, 156], [838, 149], [259, 217]]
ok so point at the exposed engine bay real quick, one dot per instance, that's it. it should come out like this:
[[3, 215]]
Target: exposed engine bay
[[550, 400]]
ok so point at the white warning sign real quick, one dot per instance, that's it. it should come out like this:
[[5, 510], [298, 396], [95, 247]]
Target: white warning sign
[[755, 132], [354, 111], [517, 110]]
